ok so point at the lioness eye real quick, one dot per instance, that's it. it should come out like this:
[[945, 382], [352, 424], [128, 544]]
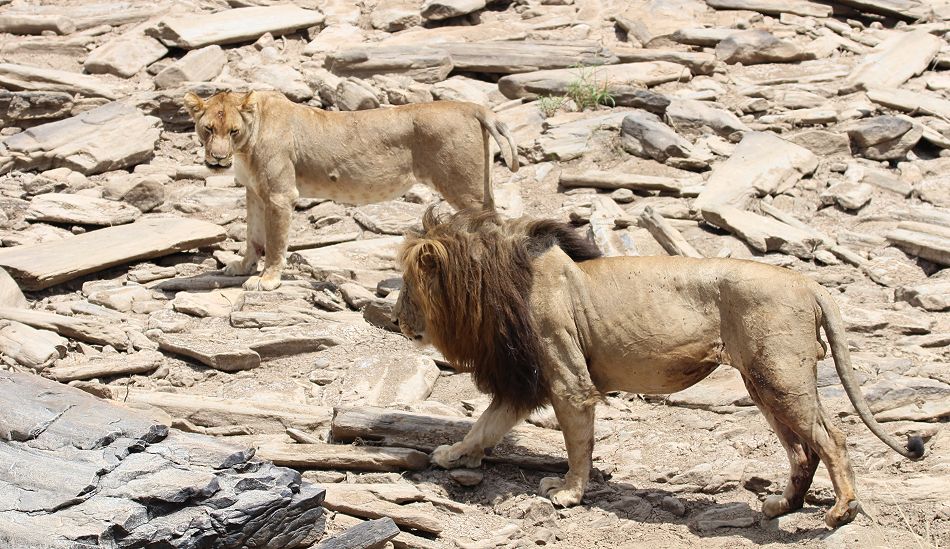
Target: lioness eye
[[234, 132]]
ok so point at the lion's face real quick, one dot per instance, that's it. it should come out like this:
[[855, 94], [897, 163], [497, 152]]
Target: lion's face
[[409, 316], [224, 124]]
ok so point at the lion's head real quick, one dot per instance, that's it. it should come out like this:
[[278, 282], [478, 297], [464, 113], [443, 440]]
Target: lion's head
[[224, 123], [466, 287]]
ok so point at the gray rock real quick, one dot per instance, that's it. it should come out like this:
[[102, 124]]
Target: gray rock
[[97, 468], [467, 477], [145, 192], [729, 515], [352, 95], [758, 46], [643, 134], [77, 209], [393, 217], [27, 78], [849, 196], [30, 108], [196, 66], [379, 313], [883, 137], [691, 117], [823, 142], [110, 137], [29, 23]]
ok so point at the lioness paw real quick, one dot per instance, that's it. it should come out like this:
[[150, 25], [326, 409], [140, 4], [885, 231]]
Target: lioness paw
[[238, 268], [262, 283], [449, 457], [560, 494]]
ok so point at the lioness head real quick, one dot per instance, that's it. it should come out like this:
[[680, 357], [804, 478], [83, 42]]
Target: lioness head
[[224, 123]]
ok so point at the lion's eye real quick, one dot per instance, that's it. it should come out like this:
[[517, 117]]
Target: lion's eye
[[234, 132]]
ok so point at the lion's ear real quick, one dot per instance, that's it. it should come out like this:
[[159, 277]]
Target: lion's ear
[[431, 256], [193, 104], [250, 102]]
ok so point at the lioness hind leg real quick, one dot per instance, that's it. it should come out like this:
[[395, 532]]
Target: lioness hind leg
[[802, 461], [795, 404], [492, 425]]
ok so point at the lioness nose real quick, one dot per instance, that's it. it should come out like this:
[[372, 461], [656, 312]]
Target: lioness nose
[[218, 156]]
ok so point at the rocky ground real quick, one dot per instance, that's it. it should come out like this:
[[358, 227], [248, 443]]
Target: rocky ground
[[815, 136]]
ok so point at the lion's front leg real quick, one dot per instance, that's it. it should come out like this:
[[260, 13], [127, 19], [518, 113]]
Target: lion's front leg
[[577, 425], [493, 424], [254, 247]]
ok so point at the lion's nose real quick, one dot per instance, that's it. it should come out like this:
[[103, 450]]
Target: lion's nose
[[219, 156]]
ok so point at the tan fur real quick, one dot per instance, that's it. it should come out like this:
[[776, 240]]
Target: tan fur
[[282, 151], [642, 325]]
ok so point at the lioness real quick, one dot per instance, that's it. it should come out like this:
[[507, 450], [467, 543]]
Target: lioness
[[282, 150], [535, 315]]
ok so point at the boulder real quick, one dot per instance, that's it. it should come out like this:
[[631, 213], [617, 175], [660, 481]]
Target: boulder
[[145, 192], [436, 10], [643, 134], [198, 65], [125, 55], [284, 79], [883, 137], [395, 15], [389, 380], [691, 117]]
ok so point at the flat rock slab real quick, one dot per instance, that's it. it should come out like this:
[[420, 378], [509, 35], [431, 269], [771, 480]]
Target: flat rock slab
[[389, 380], [28, 78], [393, 218], [198, 65], [368, 261], [428, 65], [110, 137], [75, 469], [558, 81], [40, 266], [78, 209], [774, 7], [762, 233], [894, 61], [109, 366], [257, 416], [82, 328], [233, 26], [509, 57], [762, 163], [344, 457], [32, 107]]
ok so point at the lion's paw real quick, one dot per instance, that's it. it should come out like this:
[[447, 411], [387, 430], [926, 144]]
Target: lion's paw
[[561, 495], [839, 515], [774, 505], [262, 283], [238, 268], [448, 457]]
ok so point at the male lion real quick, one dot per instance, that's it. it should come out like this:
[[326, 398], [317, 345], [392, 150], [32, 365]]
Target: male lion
[[535, 315], [282, 150]]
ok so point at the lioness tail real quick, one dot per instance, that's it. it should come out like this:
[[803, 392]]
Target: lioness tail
[[834, 331], [498, 129]]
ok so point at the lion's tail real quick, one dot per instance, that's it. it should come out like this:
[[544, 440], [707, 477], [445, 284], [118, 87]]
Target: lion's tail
[[834, 331]]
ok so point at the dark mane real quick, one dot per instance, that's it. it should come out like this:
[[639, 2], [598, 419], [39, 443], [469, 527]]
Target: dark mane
[[471, 274]]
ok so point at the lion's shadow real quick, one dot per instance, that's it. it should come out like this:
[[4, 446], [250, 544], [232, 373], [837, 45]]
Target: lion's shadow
[[645, 505]]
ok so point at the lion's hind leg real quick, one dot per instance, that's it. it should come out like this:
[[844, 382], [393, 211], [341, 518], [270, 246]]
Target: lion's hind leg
[[802, 459], [788, 395]]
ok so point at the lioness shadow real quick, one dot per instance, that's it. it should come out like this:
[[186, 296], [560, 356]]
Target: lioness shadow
[[646, 506]]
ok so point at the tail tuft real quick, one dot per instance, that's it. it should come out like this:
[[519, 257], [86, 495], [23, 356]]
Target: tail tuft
[[915, 447]]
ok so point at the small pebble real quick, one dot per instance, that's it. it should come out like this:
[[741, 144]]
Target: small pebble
[[467, 477]]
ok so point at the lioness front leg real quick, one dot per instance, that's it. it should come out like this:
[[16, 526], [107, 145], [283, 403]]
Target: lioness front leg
[[493, 424], [254, 247], [278, 196], [577, 425]]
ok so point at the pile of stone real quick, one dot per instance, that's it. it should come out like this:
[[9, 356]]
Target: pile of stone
[[809, 135]]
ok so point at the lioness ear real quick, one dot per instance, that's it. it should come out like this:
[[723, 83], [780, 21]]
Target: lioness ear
[[250, 102], [193, 104]]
